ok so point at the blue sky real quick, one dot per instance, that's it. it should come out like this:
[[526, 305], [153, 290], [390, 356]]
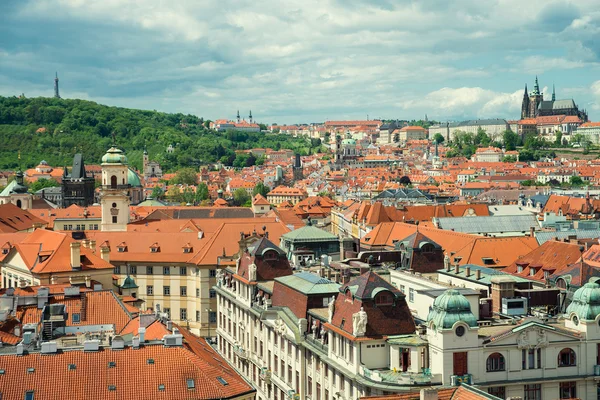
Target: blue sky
[[304, 61]]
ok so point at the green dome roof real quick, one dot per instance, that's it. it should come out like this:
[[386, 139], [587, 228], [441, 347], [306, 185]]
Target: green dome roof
[[349, 141], [114, 156], [129, 283], [449, 308], [133, 179], [586, 302]]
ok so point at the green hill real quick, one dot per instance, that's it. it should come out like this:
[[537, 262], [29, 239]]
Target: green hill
[[54, 129]]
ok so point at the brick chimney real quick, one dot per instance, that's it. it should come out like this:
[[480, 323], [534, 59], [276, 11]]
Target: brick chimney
[[428, 394], [478, 274], [75, 255], [467, 271], [105, 253], [502, 287], [92, 245]]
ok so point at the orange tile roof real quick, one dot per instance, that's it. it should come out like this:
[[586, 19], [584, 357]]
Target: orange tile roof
[[15, 219]]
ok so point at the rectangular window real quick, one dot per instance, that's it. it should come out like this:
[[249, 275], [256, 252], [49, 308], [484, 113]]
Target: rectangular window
[[149, 270], [213, 273], [183, 271], [290, 374], [275, 364], [498, 391], [411, 295], [76, 318], [533, 392], [197, 316], [309, 386], [213, 293], [149, 290], [183, 314], [568, 390], [197, 292], [166, 271], [402, 289], [167, 311], [167, 290], [183, 290], [133, 270], [117, 269], [212, 317], [114, 220]]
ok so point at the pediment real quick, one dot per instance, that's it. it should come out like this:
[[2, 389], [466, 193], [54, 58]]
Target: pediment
[[530, 335]]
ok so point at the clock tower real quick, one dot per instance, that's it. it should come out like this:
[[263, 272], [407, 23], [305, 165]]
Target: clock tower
[[114, 196]]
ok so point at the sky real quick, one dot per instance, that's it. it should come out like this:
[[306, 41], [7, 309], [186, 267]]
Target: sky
[[304, 61]]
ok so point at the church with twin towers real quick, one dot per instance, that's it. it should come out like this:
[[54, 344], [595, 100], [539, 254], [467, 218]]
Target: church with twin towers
[[534, 105]]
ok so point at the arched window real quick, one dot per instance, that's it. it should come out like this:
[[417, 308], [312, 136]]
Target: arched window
[[427, 248], [495, 362], [384, 299], [113, 182], [566, 358], [19, 204]]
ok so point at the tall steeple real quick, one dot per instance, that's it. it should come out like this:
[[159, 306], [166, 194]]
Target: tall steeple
[[553, 93], [238, 116], [536, 88], [56, 93], [250, 117], [525, 104]]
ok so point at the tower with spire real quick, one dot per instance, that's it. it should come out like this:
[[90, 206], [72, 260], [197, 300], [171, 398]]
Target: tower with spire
[[250, 117], [238, 116], [56, 92], [525, 104], [553, 93]]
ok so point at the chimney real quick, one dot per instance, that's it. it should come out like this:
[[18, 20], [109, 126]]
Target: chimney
[[531, 231], [84, 243], [478, 274], [75, 255], [456, 269], [142, 334], [105, 253], [428, 394], [92, 244], [468, 272]]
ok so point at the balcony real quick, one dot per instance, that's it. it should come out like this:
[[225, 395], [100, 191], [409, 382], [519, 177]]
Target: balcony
[[265, 375], [401, 378], [240, 352], [456, 380]]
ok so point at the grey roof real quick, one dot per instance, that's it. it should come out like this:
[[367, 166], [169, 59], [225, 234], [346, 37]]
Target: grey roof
[[401, 194], [309, 234], [494, 224], [508, 209], [309, 283], [557, 105], [78, 171], [543, 236], [486, 274]]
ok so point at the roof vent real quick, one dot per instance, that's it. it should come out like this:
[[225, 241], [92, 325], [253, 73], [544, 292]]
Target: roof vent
[[135, 342], [49, 347], [71, 291], [173, 340], [91, 345], [20, 349]]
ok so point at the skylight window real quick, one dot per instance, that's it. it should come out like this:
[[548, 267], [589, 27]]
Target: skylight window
[[29, 395], [222, 381], [72, 367], [191, 385], [150, 361], [30, 370], [161, 387], [112, 388], [112, 364]]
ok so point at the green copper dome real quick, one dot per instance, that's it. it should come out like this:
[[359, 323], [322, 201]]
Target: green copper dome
[[114, 156], [349, 142], [586, 302], [449, 308], [129, 283], [133, 179]]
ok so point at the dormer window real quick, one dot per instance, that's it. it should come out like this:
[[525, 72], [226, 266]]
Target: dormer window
[[155, 248], [122, 248], [519, 269], [532, 271], [187, 248]]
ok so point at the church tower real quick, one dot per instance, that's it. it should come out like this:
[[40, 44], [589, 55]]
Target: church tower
[[56, 93], [250, 117], [145, 160], [114, 197], [535, 98], [238, 117], [525, 104]]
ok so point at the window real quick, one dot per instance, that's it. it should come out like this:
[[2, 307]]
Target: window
[[133, 270], [149, 290], [183, 290], [384, 299], [76, 317], [460, 331], [183, 271], [183, 314], [149, 270], [213, 273], [566, 358], [167, 311], [498, 391], [167, 290], [166, 271], [161, 387], [117, 269], [309, 386], [114, 219], [29, 395], [212, 317], [495, 362], [403, 289], [197, 316], [290, 375], [568, 390], [411, 295], [190, 384], [533, 392], [213, 293]]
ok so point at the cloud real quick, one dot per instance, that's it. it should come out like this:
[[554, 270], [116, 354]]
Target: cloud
[[300, 61]]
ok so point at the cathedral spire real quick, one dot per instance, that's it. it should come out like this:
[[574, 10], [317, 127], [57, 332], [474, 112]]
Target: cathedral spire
[[56, 93], [536, 88], [553, 93], [238, 116], [250, 117]]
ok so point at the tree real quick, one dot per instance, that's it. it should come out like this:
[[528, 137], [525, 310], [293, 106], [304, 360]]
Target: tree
[[405, 180], [157, 193], [188, 195], [558, 138], [240, 197], [185, 176], [576, 181], [553, 182], [260, 188], [509, 159], [174, 194], [510, 139], [438, 138], [201, 192], [482, 138], [42, 183]]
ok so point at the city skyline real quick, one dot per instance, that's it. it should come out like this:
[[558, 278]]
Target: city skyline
[[304, 63]]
